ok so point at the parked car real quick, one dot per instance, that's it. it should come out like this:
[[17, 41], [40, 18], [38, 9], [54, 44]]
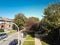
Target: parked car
[[15, 42], [3, 35], [23, 34]]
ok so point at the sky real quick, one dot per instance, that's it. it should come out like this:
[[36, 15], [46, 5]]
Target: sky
[[35, 8]]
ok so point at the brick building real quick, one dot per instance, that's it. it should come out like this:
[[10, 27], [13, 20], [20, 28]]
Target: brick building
[[6, 24]]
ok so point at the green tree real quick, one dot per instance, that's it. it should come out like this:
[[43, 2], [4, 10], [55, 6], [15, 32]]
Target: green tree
[[51, 20], [34, 18], [20, 20], [52, 15]]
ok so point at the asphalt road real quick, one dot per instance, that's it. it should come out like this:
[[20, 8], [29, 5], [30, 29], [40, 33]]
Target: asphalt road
[[10, 38]]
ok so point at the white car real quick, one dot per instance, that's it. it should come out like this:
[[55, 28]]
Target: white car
[[3, 35]]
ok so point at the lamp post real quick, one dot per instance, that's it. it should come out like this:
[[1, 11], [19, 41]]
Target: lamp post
[[16, 26], [18, 32]]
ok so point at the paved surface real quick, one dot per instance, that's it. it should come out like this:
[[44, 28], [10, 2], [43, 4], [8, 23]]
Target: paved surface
[[37, 41], [10, 38], [7, 40]]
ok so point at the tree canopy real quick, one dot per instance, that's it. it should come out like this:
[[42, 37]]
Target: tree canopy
[[34, 18], [52, 15], [31, 23], [51, 21], [20, 20]]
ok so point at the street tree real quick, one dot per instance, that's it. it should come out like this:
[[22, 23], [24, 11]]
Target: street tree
[[31, 23], [51, 20], [20, 20]]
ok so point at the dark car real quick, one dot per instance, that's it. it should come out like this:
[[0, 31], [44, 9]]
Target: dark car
[[15, 42], [3, 35], [24, 34]]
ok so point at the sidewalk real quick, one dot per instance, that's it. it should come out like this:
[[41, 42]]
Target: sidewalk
[[37, 41]]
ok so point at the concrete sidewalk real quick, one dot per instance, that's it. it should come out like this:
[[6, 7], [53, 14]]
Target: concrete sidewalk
[[37, 41]]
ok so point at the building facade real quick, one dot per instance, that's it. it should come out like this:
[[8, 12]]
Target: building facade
[[6, 24]]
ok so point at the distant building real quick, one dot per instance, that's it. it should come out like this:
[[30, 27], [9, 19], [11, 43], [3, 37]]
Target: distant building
[[6, 24]]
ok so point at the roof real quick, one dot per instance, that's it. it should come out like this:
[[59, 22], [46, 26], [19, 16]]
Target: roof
[[5, 19]]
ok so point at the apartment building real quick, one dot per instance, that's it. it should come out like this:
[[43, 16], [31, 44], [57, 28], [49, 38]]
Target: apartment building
[[6, 24]]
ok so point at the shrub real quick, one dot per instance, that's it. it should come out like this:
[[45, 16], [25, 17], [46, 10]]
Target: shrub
[[1, 30]]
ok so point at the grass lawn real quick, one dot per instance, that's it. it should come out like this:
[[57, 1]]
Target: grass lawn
[[44, 43], [12, 31], [29, 37], [29, 41], [1, 32]]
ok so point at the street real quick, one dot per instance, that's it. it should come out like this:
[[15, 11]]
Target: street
[[10, 38]]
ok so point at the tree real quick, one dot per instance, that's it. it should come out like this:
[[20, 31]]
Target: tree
[[52, 15], [20, 20], [34, 18], [51, 20], [31, 23]]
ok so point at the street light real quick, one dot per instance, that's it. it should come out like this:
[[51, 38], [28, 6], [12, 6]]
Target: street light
[[18, 32]]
